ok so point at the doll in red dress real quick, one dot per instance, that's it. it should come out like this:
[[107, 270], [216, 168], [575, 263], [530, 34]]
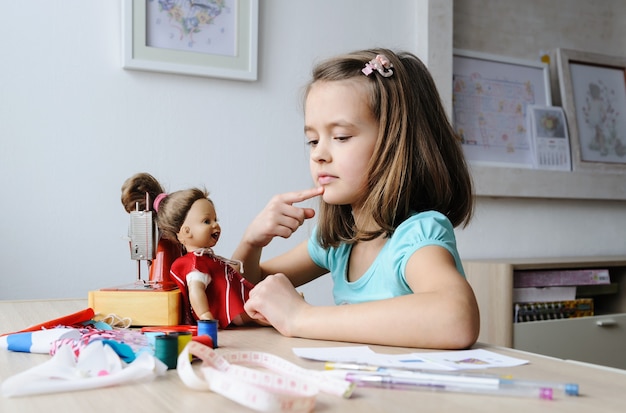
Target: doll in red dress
[[211, 287]]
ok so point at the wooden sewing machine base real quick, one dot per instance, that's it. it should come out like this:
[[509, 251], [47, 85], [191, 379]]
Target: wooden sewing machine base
[[144, 308]]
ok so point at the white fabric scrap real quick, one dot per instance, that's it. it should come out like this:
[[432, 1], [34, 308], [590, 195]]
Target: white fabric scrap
[[97, 366]]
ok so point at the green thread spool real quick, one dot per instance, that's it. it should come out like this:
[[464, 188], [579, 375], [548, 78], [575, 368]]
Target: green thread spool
[[166, 350]]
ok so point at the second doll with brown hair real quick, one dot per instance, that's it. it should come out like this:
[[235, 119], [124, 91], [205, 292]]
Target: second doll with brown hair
[[211, 287]]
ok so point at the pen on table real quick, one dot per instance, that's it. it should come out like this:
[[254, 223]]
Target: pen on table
[[569, 389], [386, 381]]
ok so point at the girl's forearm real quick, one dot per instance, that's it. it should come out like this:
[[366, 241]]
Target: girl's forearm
[[425, 320], [250, 256]]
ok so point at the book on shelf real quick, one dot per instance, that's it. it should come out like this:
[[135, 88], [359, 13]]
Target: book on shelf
[[543, 294], [552, 310], [555, 278], [597, 289]]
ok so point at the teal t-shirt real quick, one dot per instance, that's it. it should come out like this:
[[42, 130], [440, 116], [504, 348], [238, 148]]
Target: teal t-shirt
[[386, 276]]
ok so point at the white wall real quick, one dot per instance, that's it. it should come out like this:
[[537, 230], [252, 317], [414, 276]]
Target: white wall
[[542, 227], [74, 126]]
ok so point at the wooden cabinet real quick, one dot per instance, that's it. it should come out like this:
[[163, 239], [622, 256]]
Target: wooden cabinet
[[600, 339]]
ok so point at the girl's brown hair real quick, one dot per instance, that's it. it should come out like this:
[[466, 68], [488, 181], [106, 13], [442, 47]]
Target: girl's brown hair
[[418, 163]]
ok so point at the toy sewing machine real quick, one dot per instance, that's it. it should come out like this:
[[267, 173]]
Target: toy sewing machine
[[146, 303]]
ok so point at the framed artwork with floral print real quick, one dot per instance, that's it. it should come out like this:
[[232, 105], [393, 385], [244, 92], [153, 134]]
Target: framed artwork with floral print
[[214, 38], [593, 96], [490, 98]]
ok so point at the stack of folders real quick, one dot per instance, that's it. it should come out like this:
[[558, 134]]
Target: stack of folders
[[553, 294]]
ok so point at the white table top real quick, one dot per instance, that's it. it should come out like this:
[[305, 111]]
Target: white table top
[[602, 389]]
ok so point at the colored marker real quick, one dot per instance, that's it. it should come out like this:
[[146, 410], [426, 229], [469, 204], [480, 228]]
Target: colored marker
[[386, 381], [569, 389], [37, 341]]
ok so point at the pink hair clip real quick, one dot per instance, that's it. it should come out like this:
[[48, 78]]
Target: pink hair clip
[[381, 64], [157, 201]]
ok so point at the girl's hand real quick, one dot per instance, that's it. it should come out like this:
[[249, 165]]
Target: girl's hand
[[280, 218], [275, 301]]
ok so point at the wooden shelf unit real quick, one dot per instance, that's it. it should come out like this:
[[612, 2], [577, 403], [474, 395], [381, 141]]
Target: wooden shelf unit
[[599, 339]]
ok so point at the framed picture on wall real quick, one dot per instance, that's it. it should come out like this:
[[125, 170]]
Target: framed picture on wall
[[215, 38], [593, 94], [490, 98]]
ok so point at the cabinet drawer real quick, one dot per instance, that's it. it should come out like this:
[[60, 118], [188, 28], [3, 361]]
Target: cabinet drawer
[[598, 339]]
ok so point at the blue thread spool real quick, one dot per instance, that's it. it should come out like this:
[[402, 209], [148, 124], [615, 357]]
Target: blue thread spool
[[208, 328], [166, 350], [151, 336]]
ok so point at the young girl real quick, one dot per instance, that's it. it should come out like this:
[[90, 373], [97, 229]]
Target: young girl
[[393, 184], [211, 288]]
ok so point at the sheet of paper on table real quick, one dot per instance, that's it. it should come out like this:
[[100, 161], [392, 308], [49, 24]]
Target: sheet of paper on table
[[445, 360]]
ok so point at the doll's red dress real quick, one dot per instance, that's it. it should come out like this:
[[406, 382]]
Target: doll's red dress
[[226, 292]]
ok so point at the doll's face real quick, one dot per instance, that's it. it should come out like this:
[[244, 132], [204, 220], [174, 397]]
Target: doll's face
[[200, 229]]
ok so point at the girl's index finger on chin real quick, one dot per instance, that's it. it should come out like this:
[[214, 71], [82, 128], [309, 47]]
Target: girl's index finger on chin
[[299, 196]]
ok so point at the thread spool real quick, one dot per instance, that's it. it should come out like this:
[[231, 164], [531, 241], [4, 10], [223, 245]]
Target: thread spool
[[184, 337], [208, 328], [151, 336], [166, 350]]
